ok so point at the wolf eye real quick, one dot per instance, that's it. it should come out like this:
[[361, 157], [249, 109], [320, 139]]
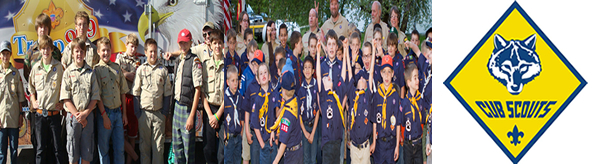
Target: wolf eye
[[172, 2], [524, 68], [506, 68]]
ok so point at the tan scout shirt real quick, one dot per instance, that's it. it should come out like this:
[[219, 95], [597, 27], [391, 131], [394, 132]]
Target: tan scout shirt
[[241, 47], [401, 46], [265, 50], [112, 83], [11, 93], [384, 30], [46, 84], [213, 85], [80, 85], [129, 64], [340, 27], [152, 83], [306, 39], [201, 51], [196, 76], [91, 56]]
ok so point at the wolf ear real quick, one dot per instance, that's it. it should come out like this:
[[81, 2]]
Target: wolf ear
[[499, 42], [530, 42]]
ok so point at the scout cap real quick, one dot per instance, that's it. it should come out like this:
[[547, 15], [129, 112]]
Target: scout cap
[[210, 25], [288, 80], [386, 61], [288, 67], [184, 36], [258, 56]]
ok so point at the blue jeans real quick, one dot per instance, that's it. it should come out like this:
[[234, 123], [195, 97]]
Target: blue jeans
[[7, 134], [266, 153], [115, 133], [310, 150], [254, 148], [233, 150]]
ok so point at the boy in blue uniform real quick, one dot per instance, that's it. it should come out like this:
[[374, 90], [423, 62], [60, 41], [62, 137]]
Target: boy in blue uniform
[[361, 124], [355, 51], [249, 81], [331, 67], [234, 118], [398, 78], [288, 123], [263, 116], [386, 102], [425, 77], [309, 112], [231, 57], [248, 55], [413, 114], [364, 72]]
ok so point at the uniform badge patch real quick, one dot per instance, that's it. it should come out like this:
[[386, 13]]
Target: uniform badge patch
[[515, 63], [54, 69], [14, 73], [379, 118], [393, 121], [228, 119], [329, 112], [366, 113], [285, 124]]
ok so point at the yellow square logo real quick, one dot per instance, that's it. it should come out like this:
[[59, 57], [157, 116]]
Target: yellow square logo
[[515, 82]]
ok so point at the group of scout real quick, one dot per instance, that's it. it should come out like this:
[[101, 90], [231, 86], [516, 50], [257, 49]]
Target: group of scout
[[308, 103], [128, 95]]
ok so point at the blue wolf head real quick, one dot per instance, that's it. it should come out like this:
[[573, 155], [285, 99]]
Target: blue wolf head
[[514, 63]]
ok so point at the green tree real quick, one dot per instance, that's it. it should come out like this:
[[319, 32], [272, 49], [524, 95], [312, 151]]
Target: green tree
[[411, 11]]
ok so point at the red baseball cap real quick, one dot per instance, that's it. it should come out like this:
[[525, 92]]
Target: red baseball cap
[[387, 61], [258, 56], [184, 36]]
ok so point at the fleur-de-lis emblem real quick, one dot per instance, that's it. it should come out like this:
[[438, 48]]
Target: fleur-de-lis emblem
[[54, 13]]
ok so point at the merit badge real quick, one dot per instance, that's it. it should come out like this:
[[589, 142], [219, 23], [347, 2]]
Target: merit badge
[[379, 118], [366, 113], [393, 121], [329, 112], [262, 122], [407, 125], [366, 120]]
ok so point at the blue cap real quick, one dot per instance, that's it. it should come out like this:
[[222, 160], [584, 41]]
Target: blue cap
[[288, 80], [288, 67], [428, 44]]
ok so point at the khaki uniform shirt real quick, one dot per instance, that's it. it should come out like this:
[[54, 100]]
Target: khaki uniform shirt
[[340, 27], [80, 85], [112, 83], [152, 83], [241, 47], [265, 50], [213, 85], [129, 64], [33, 55], [11, 94], [46, 84], [91, 55], [201, 51], [384, 31], [401, 46], [196, 76]]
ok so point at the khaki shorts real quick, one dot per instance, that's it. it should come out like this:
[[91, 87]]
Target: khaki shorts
[[361, 156], [245, 147]]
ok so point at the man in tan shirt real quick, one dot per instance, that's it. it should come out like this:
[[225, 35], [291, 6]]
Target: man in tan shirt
[[45, 82], [336, 22], [376, 19], [313, 22], [152, 91], [82, 20], [80, 92]]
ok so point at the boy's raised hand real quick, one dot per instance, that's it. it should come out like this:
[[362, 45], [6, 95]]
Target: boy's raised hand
[[327, 84]]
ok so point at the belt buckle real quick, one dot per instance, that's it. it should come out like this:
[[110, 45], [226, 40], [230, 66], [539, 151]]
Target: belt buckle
[[44, 112]]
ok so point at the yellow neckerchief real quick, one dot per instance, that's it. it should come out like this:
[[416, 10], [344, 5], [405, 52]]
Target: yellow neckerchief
[[413, 100], [429, 115], [290, 106], [385, 93], [337, 101], [265, 108], [358, 93]]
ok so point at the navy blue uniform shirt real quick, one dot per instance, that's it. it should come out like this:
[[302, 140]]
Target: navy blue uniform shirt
[[398, 70], [267, 112], [308, 100], [387, 99], [361, 126], [335, 67], [332, 126], [413, 116], [425, 81], [289, 129], [244, 61], [233, 113], [232, 59]]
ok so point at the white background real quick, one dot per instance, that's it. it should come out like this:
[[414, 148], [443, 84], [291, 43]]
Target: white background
[[573, 27]]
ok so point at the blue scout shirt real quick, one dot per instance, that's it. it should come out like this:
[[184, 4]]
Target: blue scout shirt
[[413, 116], [289, 127], [332, 126], [361, 126], [332, 67], [425, 81], [398, 70], [247, 78], [250, 95], [243, 61], [386, 105], [358, 57], [308, 100], [263, 112], [365, 74], [233, 113], [232, 60], [297, 68]]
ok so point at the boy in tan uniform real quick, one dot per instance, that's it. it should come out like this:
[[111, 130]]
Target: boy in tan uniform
[[82, 23], [11, 97], [129, 62], [44, 87], [111, 118], [80, 92], [212, 89], [152, 91]]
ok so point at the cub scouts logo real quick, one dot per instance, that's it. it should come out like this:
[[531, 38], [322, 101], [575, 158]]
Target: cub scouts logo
[[514, 64]]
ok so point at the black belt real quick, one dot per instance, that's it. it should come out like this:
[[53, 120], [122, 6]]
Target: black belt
[[311, 123], [294, 148], [413, 141], [388, 139], [362, 145]]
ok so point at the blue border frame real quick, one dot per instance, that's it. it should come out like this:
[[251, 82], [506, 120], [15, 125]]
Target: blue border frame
[[516, 6]]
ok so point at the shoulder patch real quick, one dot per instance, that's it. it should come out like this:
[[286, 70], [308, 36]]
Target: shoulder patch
[[285, 124]]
